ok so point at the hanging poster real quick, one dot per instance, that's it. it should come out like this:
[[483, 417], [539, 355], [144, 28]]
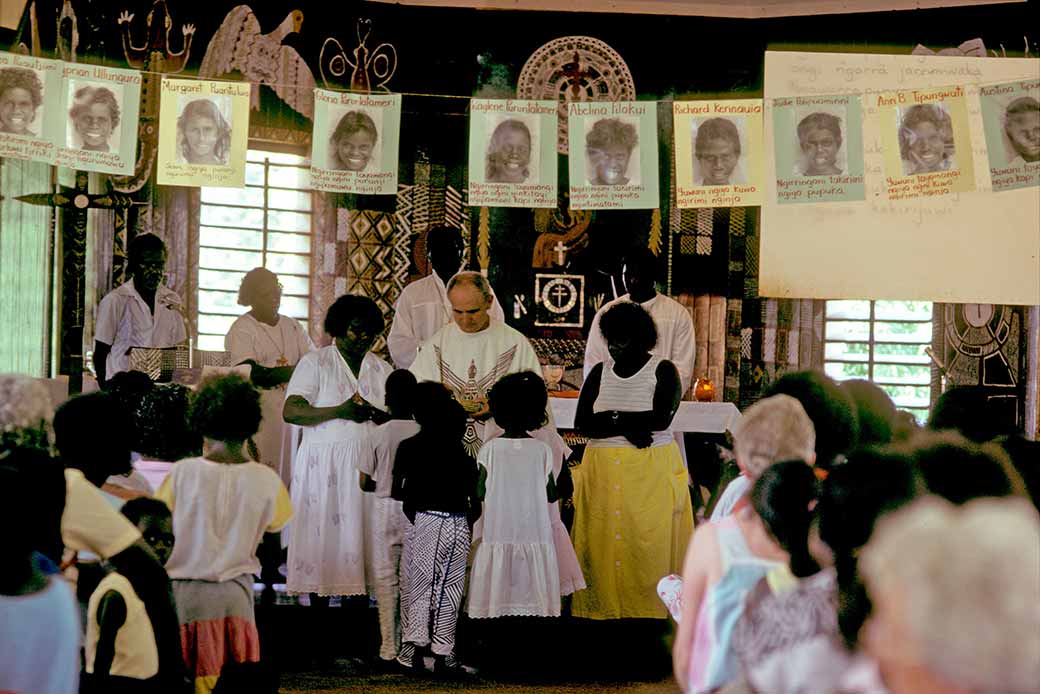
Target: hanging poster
[[30, 119], [718, 153], [818, 143], [613, 155], [203, 133], [1011, 119], [512, 153], [354, 146], [99, 109], [925, 142]]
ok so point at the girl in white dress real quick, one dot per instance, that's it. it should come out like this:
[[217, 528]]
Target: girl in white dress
[[271, 344], [515, 572], [336, 395]]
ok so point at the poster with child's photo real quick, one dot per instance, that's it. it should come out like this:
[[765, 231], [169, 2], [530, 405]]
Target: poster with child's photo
[[718, 153], [354, 142], [818, 145], [926, 142], [613, 160], [1011, 120], [100, 108], [203, 133], [512, 153], [29, 127]]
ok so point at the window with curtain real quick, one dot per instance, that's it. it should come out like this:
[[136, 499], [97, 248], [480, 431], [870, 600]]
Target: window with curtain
[[266, 224], [883, 342]]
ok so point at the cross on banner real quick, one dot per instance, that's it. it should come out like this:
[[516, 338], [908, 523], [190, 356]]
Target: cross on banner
[[560, 250]]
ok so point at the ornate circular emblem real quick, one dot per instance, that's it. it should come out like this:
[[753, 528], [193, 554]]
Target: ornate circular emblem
[[559, 295], [575, 68], [977, 330]]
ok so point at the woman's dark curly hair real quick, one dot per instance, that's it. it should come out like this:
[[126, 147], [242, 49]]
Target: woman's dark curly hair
[[628, 319], [349, 307], [162, 427], [518, 401], [226, 408]]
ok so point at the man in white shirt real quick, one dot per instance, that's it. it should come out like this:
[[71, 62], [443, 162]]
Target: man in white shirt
[[139, 313], [423, 307], [675, 336]]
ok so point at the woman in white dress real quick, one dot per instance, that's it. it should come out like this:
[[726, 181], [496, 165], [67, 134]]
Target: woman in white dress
[[272, 344], [336, 394]]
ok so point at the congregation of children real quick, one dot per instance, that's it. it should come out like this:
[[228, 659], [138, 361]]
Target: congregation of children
[[800, 578]]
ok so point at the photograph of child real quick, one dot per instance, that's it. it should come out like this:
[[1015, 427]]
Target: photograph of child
[[609, 145], [203, 131], [354, 143], [509, 153], [820, 145], [94, 116], [1022, 127], [926, 139], [717, 152], [21, 98]]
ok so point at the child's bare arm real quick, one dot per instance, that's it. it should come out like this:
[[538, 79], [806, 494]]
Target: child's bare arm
[[111, 615]]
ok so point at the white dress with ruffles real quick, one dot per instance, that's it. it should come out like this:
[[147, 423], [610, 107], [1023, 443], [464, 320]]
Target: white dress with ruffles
[[327, 542], [515, 572]]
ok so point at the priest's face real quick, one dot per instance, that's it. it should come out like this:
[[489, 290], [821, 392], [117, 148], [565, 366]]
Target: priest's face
[[469, 308]]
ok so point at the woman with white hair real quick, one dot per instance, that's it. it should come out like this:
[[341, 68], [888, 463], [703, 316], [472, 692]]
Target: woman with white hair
[[956, 594]]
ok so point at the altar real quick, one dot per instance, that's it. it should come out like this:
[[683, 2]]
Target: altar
[[692, 417]]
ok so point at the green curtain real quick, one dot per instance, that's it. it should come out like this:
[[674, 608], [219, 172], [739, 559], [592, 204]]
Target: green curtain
[[24, 277]]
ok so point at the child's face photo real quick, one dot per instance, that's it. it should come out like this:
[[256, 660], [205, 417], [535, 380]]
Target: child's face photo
[[201, 134], [718, 159], [16, 111], [511, 156], [1023, 129], [94, 125], [927, 146], [609, 165], [820, 147], [355, 150]]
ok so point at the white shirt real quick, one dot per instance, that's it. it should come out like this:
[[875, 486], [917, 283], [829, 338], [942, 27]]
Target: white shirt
[[39, 641], [632, 394], [423, 309], [385, 440], [124, 321], [734, 492], [220, 514], [248, 338], [675, 336]]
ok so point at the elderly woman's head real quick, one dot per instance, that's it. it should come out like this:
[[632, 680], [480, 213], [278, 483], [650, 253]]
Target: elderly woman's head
[[509, 153], [94, 114], [261, 290], [609, 145], [956, 593], [923, 136], [354, 322], [353, 141], [26, 413], [21, 93], [629, 331], [203, 134]]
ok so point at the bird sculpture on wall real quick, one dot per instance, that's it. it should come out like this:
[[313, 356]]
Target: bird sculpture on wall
[[239, 47]]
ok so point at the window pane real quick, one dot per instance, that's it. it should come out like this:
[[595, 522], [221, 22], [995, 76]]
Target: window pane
[[232, 216], [295, 285], [841, 372], [234, 196], [276, 157], [847, 330], [296, 264], [903, 332], [232, 260], [295, 307], [255, 174], [846, 351], [288, 221], [215, 325], [220, 302], [212, 343], [252, 239], [289, 199], [907, 353], [920, 415], [903, 310], [287, 177], [220, 279], [848, 309], [291, 243], [898, 373], [909, 396]]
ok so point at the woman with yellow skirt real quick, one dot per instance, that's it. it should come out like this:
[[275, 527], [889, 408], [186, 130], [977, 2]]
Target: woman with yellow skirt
[[632, 511]]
